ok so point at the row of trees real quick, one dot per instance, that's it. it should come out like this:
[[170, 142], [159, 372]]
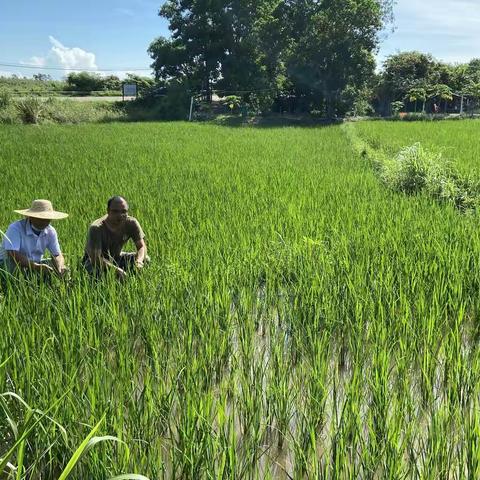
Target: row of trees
[[317, 53], [80, 82], [93, 82], [415, 78], [302, 55]]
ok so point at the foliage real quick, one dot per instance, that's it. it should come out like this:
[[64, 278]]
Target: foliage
[[416, 76], [172, 103], [405, 71], [334, 46], [415, 94], [86, 82], [5, 98], [232, 102], [30, 109], [270, 46], [232, 46], [42, 77], [143, 83], [36, 110], [356, 102], [396, 107]]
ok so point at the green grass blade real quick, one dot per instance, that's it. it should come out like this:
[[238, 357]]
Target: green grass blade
[[80, 450]]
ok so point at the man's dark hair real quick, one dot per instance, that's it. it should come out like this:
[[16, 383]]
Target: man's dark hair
[[116, 198]]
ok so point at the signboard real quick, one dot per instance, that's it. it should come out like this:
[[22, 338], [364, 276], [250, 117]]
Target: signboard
[[129, 90]]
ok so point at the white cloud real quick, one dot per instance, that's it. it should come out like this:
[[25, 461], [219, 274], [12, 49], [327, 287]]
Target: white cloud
[[69, 58], [38, 61]]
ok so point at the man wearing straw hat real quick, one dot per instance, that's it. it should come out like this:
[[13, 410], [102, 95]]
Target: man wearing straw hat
[[26, 241]]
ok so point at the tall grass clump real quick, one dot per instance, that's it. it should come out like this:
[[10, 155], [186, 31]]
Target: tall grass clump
[[30, 109], [37, 110], [416, 169]]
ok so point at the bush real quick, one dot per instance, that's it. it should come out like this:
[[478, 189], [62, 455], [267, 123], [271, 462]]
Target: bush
[[30, 109], [53, 110], [9, 115], [72, 112], [86, 82], [172, 103], [232, 102], [416, 170], [5, 99], [260, 103]]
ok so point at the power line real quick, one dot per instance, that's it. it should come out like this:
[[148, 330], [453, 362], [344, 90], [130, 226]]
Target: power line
[[40, 67]]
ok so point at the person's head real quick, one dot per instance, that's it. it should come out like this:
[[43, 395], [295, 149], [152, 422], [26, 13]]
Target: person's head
[[39, 223], [117, 210]]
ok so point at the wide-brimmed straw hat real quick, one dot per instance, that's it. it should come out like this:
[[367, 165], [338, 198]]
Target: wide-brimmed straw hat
[[42, 209]]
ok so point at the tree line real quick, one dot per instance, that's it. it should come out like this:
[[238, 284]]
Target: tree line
[[416, 81], [74, 82], [299, 56], [305, 53]]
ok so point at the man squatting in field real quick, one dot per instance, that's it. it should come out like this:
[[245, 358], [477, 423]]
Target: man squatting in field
[[106, 238], [26, 241]]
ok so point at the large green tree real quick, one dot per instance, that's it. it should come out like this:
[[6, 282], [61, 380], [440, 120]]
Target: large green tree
[[319, 46], [333, 44], [255, 46], [196, 48], [405, 71], [233, 44]]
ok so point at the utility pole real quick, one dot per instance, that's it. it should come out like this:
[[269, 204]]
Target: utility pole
[[191, 110]]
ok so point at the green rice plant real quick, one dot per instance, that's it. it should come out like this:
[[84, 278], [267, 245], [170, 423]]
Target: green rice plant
[[298, 319]]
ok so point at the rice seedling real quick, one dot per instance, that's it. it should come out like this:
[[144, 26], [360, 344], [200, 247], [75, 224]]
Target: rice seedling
[[298, 319]]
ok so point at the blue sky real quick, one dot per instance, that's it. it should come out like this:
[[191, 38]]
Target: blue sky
[[107, 34]]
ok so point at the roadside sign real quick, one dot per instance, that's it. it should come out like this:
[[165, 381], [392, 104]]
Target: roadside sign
[[129, 90]]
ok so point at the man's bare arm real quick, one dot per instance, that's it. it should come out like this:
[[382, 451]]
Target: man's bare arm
[[141, 252], [24, 262]]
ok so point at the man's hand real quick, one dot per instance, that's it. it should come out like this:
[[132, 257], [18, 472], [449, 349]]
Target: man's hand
[[138, 264], [63, 272]]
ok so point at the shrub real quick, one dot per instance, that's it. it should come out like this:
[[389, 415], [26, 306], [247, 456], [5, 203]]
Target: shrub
[[9, 115], [71, 111], [172, 103], [407, 172], [5, 99], [85, 82], [416, 170], [232, 102], [30, 109]]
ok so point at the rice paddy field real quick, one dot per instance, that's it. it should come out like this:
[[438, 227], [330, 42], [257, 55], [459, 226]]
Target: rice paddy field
[[298, 319], [457, 141]]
